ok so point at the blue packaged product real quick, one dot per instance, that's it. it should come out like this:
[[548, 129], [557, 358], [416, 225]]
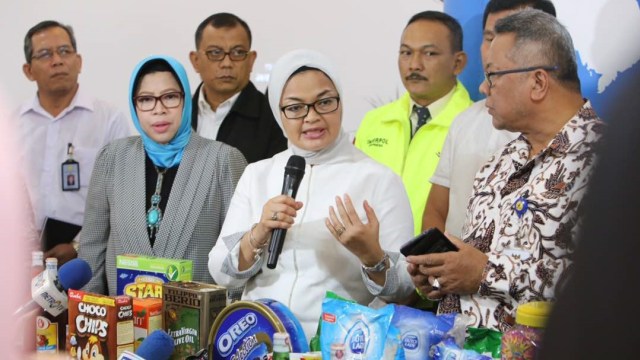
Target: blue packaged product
[[393, 348], [362, 330], [244, 330], [420, 330], [447, 349]]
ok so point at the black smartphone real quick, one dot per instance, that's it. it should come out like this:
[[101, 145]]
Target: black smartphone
[[429, 242]]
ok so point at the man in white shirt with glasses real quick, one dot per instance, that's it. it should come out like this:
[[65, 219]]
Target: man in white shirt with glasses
[[60, 130]]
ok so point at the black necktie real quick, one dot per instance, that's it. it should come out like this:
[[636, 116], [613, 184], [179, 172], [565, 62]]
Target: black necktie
[[423, 115]]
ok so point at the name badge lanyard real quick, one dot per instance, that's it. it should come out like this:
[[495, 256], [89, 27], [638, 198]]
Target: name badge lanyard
[[70, 172]]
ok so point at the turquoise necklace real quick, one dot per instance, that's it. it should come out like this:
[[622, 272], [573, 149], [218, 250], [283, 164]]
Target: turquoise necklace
[[154, 214]]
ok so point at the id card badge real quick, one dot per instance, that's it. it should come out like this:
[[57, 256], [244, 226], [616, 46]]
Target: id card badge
[[70, 175], [70, 172]]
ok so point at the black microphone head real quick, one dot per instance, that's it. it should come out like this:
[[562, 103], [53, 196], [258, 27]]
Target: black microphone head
[[295, 166]]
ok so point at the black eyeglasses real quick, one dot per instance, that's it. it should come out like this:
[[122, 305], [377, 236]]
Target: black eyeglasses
[[148, 102], [63, 51], [489, 74], [300, 110], [218, 54]]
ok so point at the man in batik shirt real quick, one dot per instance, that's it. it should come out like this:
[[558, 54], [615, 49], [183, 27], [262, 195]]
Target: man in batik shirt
[[523, 213]]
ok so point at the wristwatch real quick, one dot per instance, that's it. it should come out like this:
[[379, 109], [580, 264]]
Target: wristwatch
[[379, 267]]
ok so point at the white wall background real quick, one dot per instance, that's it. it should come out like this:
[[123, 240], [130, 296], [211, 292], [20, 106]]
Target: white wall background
[[361, 36]]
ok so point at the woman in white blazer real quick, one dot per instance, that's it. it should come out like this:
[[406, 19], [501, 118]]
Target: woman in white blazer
[[164, 193], [335, 240]]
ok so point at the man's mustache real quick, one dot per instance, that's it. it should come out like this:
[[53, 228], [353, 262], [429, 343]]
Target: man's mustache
[[415, 76]]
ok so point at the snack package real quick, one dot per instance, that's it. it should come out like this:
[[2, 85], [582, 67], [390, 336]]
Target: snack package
[[314, 343], [99, 325], [393, 348], [419, 330], [484, 341], [359, 330], [447, 349]]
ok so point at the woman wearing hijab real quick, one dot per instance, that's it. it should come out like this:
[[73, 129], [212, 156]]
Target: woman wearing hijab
[[335, 240], [164, 193]]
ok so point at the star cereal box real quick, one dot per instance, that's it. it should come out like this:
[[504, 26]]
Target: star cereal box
[[142, 276]]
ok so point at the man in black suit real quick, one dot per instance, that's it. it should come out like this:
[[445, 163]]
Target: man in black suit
[[226, 106]]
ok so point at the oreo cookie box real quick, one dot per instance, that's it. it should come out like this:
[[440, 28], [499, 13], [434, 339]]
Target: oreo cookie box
[[244, 330], [142, 276], [189, 310]]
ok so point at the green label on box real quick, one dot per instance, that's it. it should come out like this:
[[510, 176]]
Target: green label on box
[[143, 276]]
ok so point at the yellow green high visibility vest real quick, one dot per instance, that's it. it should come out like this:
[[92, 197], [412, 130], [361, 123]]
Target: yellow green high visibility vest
[[385, 135]]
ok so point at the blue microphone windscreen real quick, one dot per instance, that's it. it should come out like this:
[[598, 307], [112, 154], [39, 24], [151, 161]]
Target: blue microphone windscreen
[[157, 346], [74, 274]]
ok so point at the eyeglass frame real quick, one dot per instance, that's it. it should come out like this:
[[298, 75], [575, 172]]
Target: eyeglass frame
[[47, 54], [308, 106], [225, 53], [158, 98], [489, 74]]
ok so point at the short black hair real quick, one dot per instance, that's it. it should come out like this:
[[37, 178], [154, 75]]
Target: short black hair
[[451, 23], [154, 66], [41, 26], [221, 20], [552, 44], [495, 6]]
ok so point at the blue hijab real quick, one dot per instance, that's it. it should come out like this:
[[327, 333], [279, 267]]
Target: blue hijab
[[170, 154]]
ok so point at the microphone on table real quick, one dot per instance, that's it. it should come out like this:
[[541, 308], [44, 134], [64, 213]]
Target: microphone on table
[[49, 291], [157, 346], [293, 174]]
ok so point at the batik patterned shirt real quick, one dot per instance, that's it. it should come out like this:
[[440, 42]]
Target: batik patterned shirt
[[524, 214]]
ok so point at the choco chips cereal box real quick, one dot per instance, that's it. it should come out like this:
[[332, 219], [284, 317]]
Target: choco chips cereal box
[[100, 327], [190, 309], [142, 276]]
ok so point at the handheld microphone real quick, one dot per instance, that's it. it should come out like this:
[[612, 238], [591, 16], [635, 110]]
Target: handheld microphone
[[49, 291], [293, 174], [157, 346]]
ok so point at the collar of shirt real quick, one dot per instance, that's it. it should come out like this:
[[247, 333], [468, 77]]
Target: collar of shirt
[[561, 143], [435, 108], [79, 101], [209, 121]]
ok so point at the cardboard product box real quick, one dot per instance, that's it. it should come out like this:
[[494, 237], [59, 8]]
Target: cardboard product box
[[47, 336], [190, 309], [142, 276], [147, 317], [99, 325]]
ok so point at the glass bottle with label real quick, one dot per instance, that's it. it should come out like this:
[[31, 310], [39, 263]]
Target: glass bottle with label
[[51, 330], [37, 263], [523, 340], [28, 341], [281, 346]]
